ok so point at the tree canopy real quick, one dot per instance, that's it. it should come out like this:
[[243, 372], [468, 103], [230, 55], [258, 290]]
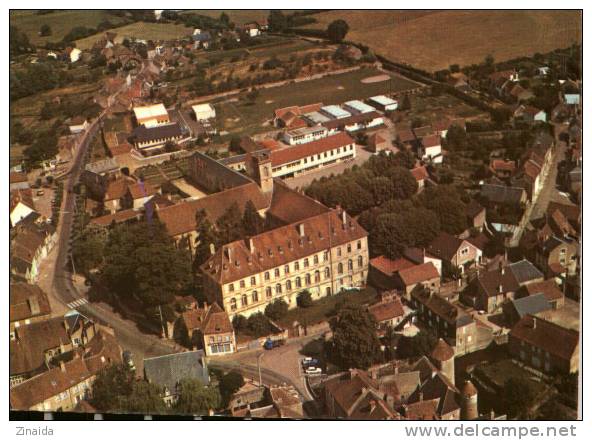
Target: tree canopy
[[195, 398], [337, 30], [355, 344]]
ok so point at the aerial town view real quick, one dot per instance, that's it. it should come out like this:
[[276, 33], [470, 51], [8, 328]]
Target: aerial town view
[[296, 214]]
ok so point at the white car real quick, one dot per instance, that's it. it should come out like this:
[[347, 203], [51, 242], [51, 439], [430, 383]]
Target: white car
[[313, 371]]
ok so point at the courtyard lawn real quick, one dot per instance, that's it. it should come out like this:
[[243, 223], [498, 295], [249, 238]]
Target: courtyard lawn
[[241, 118], [324, 308]]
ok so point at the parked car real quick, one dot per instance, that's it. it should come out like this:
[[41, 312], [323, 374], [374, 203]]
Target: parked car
[[128, 360], [310, 362], [313, 371], [40, 192]]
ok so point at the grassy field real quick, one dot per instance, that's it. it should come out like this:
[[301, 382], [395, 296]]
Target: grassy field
[[145, 31], [325, 307], [61, 22], [434, 40], [242, 118]]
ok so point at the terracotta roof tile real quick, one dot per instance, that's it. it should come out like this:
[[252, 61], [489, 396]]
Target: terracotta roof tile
[[387, 310], [389, 266], [547, 335], [27, 301], [420, 273], [297, 152]]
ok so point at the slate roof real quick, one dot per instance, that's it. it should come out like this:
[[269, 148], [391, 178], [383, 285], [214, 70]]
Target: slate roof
[[524, 271], [103, 166], [147, 134], [290, 206], [445, 246], [167, 371], [529, 305], [502, 194]]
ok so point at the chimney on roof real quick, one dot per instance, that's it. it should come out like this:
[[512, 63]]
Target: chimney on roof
[[534, 321], [251, 245], [34, 305], [62, 366], [228, 252], [212, 249], [421, 396], [301, 229], [500, 288], [372, 405], [343, 216]]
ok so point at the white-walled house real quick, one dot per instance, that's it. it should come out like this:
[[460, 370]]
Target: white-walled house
[[203, 112], [431, 148], [75, 55]]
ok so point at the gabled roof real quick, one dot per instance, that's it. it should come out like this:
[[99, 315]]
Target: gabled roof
[[24, 196], [445, 246], [180, 218], [529, 305], [141, 189], [216, 321], [168, 370], [548, 336], [389, 266], [290, 206], [27, 301], [297, 152], [502, 194], [449, 312], [116, 189], [491, 280], [418, 274], [524, 271], [548, 288], [387, 310], [420, 173], [279, 246]]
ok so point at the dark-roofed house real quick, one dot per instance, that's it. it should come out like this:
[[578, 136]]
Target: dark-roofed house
[[495, 194], [545, 345], [168, 370], [28, 304], [448, 321], [151, 139], [516, 309], [557, 256], [455, 252], [548, 288], [476, 215], [138, 194], [97, 175], [492, 288]]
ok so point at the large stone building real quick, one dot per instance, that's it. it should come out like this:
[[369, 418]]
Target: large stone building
[[322, 254]]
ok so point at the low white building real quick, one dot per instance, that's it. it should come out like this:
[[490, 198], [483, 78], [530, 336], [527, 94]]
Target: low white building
[[356, 107], [304, 135], [335, 112], [151, 115], [78, 125], [203, 112], [75, 55], [384, 103], [431, 148]]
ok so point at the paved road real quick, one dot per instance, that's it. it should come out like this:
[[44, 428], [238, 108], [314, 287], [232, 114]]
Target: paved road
[[60, 277]]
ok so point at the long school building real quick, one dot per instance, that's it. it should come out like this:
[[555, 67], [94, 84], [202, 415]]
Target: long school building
[[323, 254], [299, 159]]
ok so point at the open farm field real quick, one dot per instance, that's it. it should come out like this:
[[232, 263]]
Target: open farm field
[[141, 30], [433, 40], [61, 22]]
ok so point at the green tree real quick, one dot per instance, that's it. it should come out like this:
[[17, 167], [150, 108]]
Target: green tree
[[445, 202], [253, 224], [404, 184], [258, 325], [456, 138], [277, 21], [355, 344], [111, 383], [421, 344], [138, 264], [145, 398], [88, 249], [229, 225], [45, 30], [337, 30], [230, 383], [276, 309], [518, 395], [405, 103], [206, 237], [304, 299], [195, 398]]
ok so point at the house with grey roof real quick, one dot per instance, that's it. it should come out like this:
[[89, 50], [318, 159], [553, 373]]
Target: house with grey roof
[[169, 370], [516, 309]]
